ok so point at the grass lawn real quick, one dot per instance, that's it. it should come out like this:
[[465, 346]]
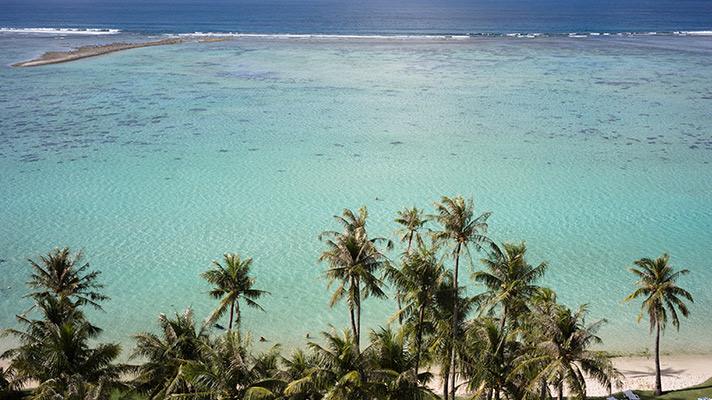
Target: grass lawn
[[704, 389]]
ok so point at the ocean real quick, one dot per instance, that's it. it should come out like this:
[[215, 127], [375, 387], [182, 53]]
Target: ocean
[[585, 127]]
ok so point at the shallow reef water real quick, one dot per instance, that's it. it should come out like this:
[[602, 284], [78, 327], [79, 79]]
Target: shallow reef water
[[595, 151]]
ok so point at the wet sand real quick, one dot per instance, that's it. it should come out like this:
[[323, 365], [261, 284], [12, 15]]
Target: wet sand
[[56, 57]]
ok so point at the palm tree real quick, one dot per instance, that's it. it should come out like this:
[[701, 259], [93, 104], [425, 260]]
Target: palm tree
[[353, 261], [656, 281], [77, 389], [60, 274], [561, 341], [297, 367], [419, 282], [411, 221], [160, 375], [488, 365], [233, 282], [226, 370], [438, 335], [395, 364], [342, 372], [509, 280], [55, 349], [460, 229]]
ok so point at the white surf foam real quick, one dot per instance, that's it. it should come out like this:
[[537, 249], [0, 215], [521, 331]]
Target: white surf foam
[[61, 31]]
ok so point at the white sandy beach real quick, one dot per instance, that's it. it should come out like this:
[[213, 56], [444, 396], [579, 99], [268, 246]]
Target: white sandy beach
[[677, 372], [639, 374]]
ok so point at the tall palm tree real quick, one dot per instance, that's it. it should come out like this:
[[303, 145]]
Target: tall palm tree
[[460, 230], [226, 370], [63, 275], [509, 280], [657, 284], [438, 339], [561, 354], [354, 260], [232, 283], [419, 282], [165, 355], [411, 221]]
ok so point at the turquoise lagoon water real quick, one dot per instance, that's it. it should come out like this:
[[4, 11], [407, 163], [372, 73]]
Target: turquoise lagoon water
[[596, 151]]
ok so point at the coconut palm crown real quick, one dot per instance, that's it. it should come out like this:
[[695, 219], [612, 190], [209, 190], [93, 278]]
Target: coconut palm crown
[[63, 275], [232, 283]]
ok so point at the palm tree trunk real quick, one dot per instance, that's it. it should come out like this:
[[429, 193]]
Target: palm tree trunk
[[543, 394], [237, 314], [353, 318], [501, 330], [358, 315], [658, 384], [398, 294], [446, 387], [453, 369], [400, 316], [232, 312], [419, 339], [561, 391]]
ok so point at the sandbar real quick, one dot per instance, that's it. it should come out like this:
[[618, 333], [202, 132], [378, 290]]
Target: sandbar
[[56, 57]]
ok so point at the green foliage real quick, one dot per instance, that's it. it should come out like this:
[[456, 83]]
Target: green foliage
[[164, 355], [559, 342], [55, 346], [420, 282], [232, 283], [59, 274], [662, 297], [411, 220], [226, 370], [460, 230], [354, 260], [509, 280]]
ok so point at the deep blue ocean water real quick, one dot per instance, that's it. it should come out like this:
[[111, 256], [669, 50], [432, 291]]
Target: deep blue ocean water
[[364, 17]]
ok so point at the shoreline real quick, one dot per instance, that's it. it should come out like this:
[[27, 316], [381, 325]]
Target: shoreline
[[57, 57], [677, 372]]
